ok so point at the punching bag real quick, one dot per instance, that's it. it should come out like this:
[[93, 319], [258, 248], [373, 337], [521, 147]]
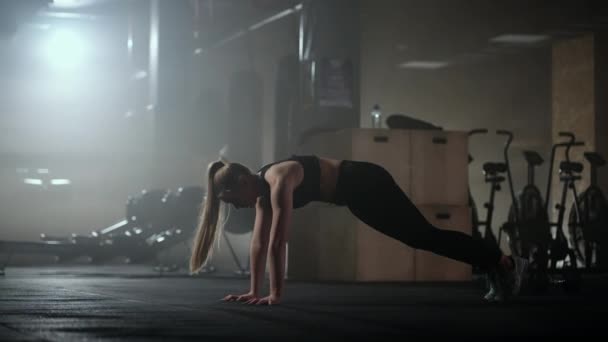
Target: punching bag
[[328, 70]]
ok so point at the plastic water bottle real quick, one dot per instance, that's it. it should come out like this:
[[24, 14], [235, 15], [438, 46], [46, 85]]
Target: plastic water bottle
[[376, 114]]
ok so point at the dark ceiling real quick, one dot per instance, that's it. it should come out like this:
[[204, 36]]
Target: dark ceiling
[[447, 29], [429, 29]]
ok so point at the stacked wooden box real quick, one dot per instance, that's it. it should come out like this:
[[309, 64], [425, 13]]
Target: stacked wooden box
[[329, 243]]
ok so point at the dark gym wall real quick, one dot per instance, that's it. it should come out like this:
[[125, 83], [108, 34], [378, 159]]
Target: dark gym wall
[[601, 102], [495, 92], [229, 95]]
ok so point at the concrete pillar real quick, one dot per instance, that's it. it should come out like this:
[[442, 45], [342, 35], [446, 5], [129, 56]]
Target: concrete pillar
[[578, 105]]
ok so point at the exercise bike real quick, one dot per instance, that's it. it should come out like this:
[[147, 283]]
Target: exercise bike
[[527, 224], [588, 225], [529, 229], [559, 248], [492, 175]]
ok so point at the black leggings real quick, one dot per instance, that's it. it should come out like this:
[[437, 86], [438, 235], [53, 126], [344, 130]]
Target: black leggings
[[372, 195]]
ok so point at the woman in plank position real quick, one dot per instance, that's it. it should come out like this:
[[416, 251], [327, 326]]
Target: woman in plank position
[[367, 189]]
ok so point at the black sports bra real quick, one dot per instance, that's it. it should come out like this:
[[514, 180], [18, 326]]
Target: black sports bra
[[310, 188]]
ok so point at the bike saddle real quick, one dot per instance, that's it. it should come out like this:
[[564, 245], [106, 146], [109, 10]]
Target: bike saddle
[[571, 167], [533, 158], [595, 159], [494, 168]]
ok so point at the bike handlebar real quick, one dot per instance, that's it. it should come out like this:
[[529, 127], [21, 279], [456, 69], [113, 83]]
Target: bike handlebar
[[478, 131]]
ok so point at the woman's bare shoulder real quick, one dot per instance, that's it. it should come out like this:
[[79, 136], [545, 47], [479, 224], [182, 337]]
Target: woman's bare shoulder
[[287, 171]]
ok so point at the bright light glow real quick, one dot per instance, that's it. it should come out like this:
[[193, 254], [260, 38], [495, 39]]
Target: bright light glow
[[43, 27], [232, 37], [140, 75], [65, 3], [271, 19], [65, 49], [60, 181], [67, 15], [160, 239], [32, 181], [114, 226], [423, 64], [43, 171], [519, 38]]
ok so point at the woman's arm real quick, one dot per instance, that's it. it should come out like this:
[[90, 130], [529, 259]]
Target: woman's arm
[[257, 253], [270, 238], [259, 246], [281, 200]]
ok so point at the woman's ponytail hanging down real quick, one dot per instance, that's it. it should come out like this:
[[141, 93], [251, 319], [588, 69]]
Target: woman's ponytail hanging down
[[208, 221]]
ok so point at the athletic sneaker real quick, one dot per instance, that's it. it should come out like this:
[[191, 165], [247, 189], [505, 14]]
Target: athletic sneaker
[[495, 292], [516, 277], [506, 284], [492, 288]]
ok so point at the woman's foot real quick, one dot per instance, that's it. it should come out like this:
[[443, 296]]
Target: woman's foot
[[506, 278], [517, 274], [496, 292], [492, 293]]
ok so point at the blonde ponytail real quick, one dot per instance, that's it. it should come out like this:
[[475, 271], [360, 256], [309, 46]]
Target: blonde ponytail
[[207, 230]]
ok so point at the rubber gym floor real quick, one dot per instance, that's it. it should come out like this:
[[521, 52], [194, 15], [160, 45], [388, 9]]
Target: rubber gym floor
[[134, 303]]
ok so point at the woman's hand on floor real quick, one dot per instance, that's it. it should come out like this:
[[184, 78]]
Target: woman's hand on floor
[[240, 298], [268, 300]]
